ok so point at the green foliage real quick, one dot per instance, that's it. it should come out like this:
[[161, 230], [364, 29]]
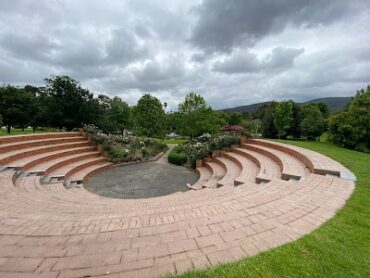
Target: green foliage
[[313, 123], [268, 126], [177, 156], [196, 117], [149, 117], [70, 104], [15, 106], [235, 118], [283, 117], [119, 114], [351, 129]]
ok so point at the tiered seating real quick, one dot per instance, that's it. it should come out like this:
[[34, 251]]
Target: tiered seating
[[55, 156], [48, 230]]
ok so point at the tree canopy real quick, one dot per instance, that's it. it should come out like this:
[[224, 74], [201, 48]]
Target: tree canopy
[[351, 128], [149, 117]]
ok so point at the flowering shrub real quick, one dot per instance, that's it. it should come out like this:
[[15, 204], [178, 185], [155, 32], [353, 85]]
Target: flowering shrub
[[204, 145], [124, 148]]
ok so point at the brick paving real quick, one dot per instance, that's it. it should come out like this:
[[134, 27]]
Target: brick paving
[[47, 230]]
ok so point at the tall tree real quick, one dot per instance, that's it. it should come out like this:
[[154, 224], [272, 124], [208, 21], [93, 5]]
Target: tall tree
[[351, 129], [70, 102], [268, 126], [235, 118], [196, 117], [149, 117], [313, 123], [15, 106], [295, 128], [120, 114], [283, 117]]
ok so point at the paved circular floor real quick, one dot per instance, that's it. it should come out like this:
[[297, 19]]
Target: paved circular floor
[[142, 180]]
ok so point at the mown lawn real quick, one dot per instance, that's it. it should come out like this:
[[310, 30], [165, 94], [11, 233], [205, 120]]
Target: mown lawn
[[339, 248], [172, 141]]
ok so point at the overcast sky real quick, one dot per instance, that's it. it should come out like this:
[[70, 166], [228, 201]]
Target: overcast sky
[[232, 52]]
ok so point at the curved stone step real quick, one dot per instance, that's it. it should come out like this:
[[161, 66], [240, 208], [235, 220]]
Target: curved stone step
[[232, 170], [52, 165], [204, 175], [85, 173], [69, 169], [249, 170], [31, 161], [315, 162], [37, 136], [6, 158], [217, 174], [37, 143], [268, 168], [291, 167]]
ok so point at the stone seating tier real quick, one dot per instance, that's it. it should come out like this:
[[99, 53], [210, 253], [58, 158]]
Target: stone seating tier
[[54, 230]]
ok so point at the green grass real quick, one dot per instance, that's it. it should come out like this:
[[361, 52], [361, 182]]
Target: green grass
[[339, 248], [172, 141], [18, 131]]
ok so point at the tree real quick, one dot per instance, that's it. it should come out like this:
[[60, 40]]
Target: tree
[[235, 118], [295, 128], [15, 106], [324, 109], [71, 104], [261, 111], [313, 123], [196, 117], [268, 126], [351, 129], [283, 117], [119, 114], [149, 117]]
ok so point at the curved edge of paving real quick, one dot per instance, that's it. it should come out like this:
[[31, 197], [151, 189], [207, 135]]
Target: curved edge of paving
[[72, 233]]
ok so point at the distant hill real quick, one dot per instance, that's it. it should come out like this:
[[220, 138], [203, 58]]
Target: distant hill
[[336, 104]]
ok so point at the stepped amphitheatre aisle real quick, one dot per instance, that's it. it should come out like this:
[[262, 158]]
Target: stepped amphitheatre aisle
[[254, 197]]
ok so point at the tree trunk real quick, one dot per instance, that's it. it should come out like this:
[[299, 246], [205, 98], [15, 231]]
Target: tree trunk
[[8, 129]]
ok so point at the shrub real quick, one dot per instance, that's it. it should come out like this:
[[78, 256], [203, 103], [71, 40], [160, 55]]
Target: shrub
[[145, 152], [177, 156]]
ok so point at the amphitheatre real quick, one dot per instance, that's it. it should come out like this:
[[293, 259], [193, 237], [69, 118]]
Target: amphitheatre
[[247, 199]]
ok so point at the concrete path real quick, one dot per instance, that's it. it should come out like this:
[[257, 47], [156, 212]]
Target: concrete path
[[164, 157]]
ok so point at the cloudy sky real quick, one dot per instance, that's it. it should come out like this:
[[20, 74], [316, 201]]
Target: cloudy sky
[[232, 52]]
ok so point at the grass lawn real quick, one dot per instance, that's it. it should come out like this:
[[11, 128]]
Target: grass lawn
[[172, 141], [339, 248], [18, 131]]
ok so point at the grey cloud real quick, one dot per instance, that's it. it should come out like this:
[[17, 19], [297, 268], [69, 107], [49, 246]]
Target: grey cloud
[[222, 25], [124, 47], [169, 48], [247, 62]]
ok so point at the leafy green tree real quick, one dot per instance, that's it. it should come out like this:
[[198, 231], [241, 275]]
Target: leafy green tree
[[313, 122], [15, 106], [283, 117], [149, 117], [324, 109], [70, 105], [351, 129], [295, 128], [120, 114], [268, 126], [235, 118], [196, 117], [261, 111]]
